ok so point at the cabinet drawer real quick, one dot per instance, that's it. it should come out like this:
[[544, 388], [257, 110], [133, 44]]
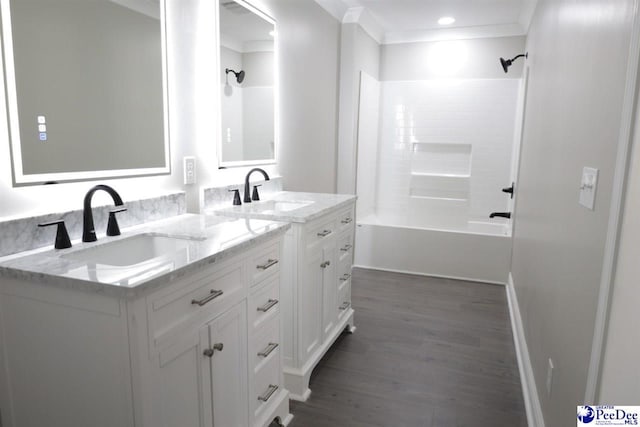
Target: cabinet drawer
[[321, 233], [264, 302], [266, 385], [345, 245], [265, 263], [170, 310], [264, 344], [346, 219], [344, 299]]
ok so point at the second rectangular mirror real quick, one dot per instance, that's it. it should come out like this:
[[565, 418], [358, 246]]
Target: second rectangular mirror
[[247, 78]]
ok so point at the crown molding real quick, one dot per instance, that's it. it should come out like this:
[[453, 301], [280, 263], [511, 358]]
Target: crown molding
[[478, 32], [364, 18], [335, 8]]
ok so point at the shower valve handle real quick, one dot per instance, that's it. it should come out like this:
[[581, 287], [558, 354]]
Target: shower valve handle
[[510, 190]]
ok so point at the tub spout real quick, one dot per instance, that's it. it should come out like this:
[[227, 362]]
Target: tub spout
[[500, 214]]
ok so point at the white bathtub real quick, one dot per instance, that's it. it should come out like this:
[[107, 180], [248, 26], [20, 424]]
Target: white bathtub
[[480, 252]]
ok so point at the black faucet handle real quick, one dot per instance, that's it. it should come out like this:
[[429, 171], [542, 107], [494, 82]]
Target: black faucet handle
[[62, 237], [112, 225], [236, 197], [255, 196]]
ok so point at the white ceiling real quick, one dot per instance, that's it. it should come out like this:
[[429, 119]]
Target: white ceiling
[[393, 21]]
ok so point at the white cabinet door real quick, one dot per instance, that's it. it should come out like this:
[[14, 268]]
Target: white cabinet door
[[182, 388], [310, 305], [228, 355], [329, 306]]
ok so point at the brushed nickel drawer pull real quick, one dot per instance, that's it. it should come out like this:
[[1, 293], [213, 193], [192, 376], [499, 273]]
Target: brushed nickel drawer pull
[[347, 220], [267, 351], [268, 305], [212, 295], [270, 263], [267, 394], [324, 233], [345, 277], [346, 248], [325, 264], [216, 347], [345, 305]]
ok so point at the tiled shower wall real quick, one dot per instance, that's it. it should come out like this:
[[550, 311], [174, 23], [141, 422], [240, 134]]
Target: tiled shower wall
[[444, 150]]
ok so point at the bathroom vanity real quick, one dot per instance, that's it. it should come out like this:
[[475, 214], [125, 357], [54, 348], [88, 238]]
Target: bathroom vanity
[[174, 323], [316, 275]]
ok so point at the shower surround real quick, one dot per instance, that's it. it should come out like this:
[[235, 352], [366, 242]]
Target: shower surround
[[433, 156]]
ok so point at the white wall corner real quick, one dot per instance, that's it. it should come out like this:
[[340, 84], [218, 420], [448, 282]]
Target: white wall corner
[[364, 18], [535, 417], [526, 14], [335, 8]]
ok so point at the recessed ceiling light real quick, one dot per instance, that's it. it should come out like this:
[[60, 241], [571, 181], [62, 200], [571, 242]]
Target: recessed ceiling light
[[446, 20]]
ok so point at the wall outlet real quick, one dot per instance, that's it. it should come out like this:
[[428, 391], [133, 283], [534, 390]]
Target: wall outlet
[[549, 376], [189, 170]]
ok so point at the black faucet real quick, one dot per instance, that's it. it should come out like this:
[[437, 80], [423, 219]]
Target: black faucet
[[500, 214], [88, 229], [247, 194]]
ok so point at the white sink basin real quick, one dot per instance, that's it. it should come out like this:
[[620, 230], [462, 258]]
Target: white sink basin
[[130, 251], [281, 206]]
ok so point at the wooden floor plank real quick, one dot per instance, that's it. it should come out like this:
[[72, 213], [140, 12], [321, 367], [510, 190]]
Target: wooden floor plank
[[428, 352]]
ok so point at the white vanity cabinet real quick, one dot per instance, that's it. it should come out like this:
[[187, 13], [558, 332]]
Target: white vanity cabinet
[[201, 351], [317, 293]]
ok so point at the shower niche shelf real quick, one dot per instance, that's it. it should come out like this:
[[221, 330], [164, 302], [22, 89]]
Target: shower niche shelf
[[441, 171]]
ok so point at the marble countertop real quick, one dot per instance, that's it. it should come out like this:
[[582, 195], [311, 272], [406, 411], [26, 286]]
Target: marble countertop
[[206, 239], [312, 206]]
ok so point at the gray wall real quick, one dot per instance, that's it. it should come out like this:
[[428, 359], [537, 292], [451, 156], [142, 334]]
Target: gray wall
[[577, 57], [259, 69], [308, 60], [479, 58], [359, 52], [620, 378]]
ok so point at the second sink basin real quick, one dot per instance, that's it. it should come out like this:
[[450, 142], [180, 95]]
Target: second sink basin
[[280, 206], [131, 250]]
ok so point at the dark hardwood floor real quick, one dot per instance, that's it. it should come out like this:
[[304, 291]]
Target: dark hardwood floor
[[426, 352]]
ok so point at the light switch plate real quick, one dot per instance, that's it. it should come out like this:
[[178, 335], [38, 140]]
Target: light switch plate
[[588, 186], [189, 170]]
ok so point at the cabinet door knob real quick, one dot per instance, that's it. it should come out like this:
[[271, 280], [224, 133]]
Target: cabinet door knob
[[325, 264], [216, 347], [324, 233]]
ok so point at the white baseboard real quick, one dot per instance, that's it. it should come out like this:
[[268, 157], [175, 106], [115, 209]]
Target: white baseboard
[[440, 276], [529, 389]]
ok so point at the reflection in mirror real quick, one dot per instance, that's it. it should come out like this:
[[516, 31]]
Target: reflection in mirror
[[247, 79], [85, 88]]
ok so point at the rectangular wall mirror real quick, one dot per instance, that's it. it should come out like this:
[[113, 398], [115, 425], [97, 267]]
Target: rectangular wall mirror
[[86, 89], [248, 90]]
